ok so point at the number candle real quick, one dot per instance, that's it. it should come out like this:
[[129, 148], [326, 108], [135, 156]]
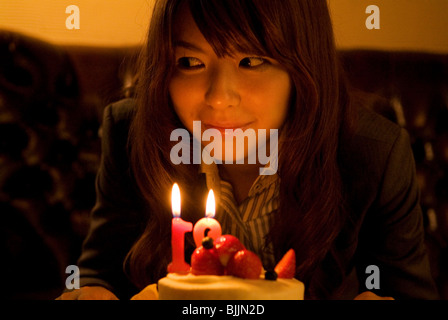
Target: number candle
[[178, 229], [207, 222]]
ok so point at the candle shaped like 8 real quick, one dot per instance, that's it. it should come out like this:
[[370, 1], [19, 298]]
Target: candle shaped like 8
[[207, 223], [178, 229]]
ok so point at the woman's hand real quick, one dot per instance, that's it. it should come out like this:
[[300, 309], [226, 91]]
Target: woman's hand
[[368, 295], [149, 293], [88, 293]]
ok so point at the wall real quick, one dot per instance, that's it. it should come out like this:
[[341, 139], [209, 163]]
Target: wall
[[102, 22], [404, 24]]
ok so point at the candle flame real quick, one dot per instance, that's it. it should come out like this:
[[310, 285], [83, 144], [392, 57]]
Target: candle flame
[[210, 207], [175, 201]]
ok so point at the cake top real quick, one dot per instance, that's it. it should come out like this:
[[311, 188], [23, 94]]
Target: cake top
[[228, 256], [192, 287]]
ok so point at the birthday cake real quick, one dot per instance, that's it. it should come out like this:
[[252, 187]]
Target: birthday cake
[[191, 287], [225, 270]]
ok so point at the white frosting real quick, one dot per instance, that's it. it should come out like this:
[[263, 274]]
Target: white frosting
[[191, 287]]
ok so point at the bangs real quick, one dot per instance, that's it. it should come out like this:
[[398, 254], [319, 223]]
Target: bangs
[[230, 26]]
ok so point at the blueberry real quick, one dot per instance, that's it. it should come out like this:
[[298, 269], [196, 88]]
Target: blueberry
[[270, 275]]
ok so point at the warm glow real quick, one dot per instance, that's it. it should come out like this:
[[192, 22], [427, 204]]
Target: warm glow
[[210, 207], [104, 23], [175, 201], [405, 24]]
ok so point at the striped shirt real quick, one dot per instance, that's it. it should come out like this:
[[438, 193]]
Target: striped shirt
[[250, 220]]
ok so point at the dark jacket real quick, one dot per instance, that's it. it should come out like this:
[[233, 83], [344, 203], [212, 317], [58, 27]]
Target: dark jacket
[[385, 228]]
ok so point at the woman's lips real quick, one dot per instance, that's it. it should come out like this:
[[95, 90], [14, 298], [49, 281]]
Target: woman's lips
[[222, 127]]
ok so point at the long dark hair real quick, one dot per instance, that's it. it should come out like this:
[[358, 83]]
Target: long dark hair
[[296, 33]]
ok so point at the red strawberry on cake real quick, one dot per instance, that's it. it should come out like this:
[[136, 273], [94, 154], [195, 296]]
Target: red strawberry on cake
[[245, 264], [226, 246], [286, 267], [205, 259]]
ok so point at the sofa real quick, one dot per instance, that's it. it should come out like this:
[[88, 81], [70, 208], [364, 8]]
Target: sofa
[[51, 103]]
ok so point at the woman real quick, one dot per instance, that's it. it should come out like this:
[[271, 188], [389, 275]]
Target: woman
[[344, 195]]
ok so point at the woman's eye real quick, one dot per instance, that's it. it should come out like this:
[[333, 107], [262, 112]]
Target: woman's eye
[[253, 62], [189, 63]]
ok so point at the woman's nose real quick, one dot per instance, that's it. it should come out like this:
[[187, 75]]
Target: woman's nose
[[222, 91]]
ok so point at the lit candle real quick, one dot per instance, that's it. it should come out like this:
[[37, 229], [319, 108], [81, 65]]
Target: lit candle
[[178, 229], [207, 223]]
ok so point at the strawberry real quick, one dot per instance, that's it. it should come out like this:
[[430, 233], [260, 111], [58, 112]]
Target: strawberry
[[226, 246], [205, 261], [244, 264], [286, 267]]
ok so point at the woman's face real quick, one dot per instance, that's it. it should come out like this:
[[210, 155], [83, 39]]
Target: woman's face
[[239, 91]]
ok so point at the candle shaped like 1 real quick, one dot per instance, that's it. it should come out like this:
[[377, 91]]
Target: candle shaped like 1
[[207, 223], [178, 229]]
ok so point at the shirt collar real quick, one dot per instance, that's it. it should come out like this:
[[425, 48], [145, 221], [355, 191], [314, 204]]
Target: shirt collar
[[213, 180]]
